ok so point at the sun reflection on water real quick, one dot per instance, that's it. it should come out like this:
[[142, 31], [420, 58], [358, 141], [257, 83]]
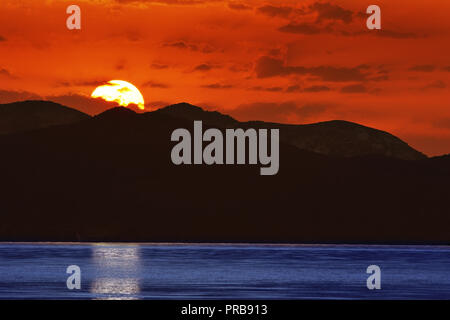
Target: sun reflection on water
[[118, 272]]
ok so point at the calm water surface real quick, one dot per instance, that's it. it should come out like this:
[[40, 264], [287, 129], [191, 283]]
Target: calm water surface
[[153, 271]]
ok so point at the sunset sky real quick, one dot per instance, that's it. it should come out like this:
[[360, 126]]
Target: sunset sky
[[282, 61]]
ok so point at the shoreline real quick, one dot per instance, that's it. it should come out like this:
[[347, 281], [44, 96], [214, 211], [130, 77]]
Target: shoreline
[[224, 244]]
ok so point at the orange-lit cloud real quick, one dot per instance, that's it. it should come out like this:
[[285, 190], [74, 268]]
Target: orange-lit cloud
[[275, 60]]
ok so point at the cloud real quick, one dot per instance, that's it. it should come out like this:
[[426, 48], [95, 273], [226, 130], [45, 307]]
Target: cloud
[[154, 84], [268, 89], [329, 19], [238, 6], [274, 11], [2, 39], [159, 66], [184, 45], [243, 67], [303, 28], [270, 67], [167, 2], [328, 11], [217, 86], [293, 88], [306, 28], [321, 10], [446, 69], [82, 83], [316, 89], [13, 96], [120, 65], [438, 84], [203, 67], [179, 45], [5, 73], [423, 68], [354, 88]]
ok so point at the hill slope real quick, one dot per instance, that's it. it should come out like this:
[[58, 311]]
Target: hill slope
[[31, 115], [110, 178], [333, 138]]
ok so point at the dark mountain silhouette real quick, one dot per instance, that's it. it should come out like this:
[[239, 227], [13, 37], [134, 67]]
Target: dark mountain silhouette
[[30, 115], [334, 138], [110, 178], [190, 112]]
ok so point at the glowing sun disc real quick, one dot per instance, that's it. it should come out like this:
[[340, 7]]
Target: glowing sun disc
[[122, 92]]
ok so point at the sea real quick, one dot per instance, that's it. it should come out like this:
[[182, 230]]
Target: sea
[[222, 271]]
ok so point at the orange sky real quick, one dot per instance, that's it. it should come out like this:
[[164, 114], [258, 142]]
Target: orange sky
[[284, 61]]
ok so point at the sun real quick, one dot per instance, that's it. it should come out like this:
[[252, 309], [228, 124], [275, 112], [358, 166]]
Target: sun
[[122, 92]]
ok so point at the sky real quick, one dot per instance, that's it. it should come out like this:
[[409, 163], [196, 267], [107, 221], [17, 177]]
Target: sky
[[282, 61]]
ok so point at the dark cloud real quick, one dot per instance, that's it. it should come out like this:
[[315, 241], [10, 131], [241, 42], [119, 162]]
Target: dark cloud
[[316, 89], [423, 68], [2, 39], [268, 89], [177, 44], [274, 11], [238, 6], [276, 112], [168, 2], [270, 67], [13, 96], [293, 88], [5, 73], [159, 66], [438, 84], [328, 11], [120, 65], [217, 86], [336, 74], [323, 11], [354, 88], [241, 67], [203, 67], [303, 28], [382, 77], [154, 84], [184, 45], [82, 83], [446, 69], [319, 28]]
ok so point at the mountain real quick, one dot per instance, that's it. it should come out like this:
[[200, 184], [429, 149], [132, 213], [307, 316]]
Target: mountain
[[31, 115], [190, 112], [110, 178], [333, 138]]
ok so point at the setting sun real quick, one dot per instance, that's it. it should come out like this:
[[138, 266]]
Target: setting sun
[[122, 92]]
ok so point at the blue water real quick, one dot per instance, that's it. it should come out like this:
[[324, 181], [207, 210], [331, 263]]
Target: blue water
[[152, 271]]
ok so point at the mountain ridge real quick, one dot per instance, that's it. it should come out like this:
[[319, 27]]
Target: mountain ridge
[[111, 178], [334, 137], [337, 138], [36, 114]]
